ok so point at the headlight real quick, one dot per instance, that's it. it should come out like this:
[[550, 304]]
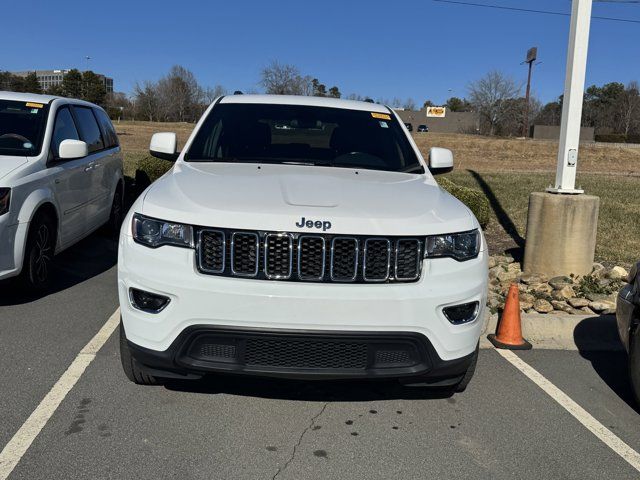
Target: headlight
[[155, 233], [5, 196], [461, 246]]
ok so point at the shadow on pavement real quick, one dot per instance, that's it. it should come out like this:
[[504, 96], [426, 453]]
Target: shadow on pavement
[[597, 341], [317, 391], [90, 257]]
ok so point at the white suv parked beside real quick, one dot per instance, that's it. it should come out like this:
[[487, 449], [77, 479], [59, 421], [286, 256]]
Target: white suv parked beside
[[324, 249], [60, 179]]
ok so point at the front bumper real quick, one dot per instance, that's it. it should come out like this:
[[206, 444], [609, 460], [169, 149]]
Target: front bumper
[[12, 239], [200, 300], [301, 355]]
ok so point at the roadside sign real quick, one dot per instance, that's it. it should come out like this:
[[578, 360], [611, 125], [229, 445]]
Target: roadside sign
[[532, 54], [438, 112]]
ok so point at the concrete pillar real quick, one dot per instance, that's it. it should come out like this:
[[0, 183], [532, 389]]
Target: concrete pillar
[[561, 234]]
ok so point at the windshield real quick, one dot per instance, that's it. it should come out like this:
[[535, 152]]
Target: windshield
[[21, 127], [303, 135]]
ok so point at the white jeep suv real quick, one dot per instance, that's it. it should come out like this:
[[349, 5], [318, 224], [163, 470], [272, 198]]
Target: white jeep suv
[[60, 179], [323, 250]]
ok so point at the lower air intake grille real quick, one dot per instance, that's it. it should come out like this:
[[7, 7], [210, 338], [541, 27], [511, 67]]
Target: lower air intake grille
[[305, 354]]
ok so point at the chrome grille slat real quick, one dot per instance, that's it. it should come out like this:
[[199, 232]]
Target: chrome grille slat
[[248, 254], [341, 251], [212, 250], [278, 265], [309, 261], [312, 257], [376, 264]]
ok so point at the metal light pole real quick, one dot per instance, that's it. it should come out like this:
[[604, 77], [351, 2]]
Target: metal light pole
[[532, 54], [573, 97], [561, 229]]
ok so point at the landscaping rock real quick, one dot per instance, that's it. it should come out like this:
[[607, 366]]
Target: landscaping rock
[[610, 311], [526, 301], [542, 306], [562, 306], [503, 259], [586, 310], [542, 289], [533, 278], [507, 275], [578, 302], [597, 297], [558, 282], [563, 293], [598, 270], [617, 273], [601, 306], [492, 262]]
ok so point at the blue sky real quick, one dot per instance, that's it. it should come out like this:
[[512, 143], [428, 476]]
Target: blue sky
[[383, 49]]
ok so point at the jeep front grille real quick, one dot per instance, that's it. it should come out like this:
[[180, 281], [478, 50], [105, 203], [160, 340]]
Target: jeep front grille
[[308, 257]]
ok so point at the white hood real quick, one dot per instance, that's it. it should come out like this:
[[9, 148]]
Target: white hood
[[276, 197], [9, 164]]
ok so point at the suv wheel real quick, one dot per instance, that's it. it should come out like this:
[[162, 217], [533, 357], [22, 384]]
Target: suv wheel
[[38, 256], [130, 366], [462, 385], [634, 363], [117, 212]]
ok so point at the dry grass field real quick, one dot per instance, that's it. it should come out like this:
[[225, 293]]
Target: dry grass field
[[506, 170]]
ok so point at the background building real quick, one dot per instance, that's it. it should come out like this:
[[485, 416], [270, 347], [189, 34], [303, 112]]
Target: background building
[[51, 78], [452, 122]]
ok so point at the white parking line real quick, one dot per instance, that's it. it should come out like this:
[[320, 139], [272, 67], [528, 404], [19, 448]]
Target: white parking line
[[30, 429], [594, 426]]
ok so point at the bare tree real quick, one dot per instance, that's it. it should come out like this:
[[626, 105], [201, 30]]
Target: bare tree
[[147, 101], [181, 95], [490, 96], [285, 79], [209, 94], [630, 108], [409, 104]]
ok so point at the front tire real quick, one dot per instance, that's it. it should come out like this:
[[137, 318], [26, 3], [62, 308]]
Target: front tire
[[131, 368], [117, 212], [634, 364], [38, 255]]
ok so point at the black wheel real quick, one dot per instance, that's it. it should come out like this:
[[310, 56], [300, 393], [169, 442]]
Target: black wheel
[[129, 365], [38, 256], [462, 384], [634, 363], [117, 212]]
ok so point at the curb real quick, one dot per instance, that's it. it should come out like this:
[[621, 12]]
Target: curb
[[588, 333]]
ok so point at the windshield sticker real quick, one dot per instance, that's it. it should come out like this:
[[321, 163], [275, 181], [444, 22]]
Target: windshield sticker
[[34, 105], [382, 116], [384, 124], [34, 110]]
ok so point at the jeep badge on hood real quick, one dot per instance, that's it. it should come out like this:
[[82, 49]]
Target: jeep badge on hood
[[323, 224]]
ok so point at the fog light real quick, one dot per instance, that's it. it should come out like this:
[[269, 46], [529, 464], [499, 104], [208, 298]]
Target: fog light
[[148, 302], [464, 313]]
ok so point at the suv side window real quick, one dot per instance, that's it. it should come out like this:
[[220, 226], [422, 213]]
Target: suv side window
[[89, 128], [64, 128], [110, 137]]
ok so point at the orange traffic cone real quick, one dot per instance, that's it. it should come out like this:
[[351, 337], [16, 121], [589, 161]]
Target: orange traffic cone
[[509, 331]]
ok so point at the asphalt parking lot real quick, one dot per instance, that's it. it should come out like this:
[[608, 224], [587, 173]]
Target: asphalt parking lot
[[504, 426]]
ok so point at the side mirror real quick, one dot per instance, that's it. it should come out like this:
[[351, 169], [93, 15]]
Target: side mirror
[[164, 145], [70, 149], [440, 160]]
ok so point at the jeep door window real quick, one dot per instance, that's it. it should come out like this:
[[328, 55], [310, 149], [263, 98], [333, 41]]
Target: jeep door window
[[64, 128], [22, 126], [89, 128], [307, 135]]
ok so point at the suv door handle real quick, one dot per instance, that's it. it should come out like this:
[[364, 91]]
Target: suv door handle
[[87, 168]]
